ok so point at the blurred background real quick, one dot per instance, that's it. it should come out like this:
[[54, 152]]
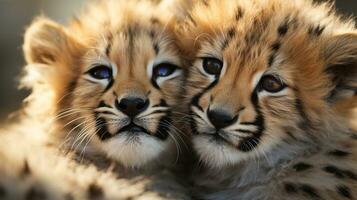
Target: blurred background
[[15, 15]]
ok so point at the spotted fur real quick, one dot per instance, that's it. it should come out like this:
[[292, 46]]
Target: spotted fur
[[293, 143]]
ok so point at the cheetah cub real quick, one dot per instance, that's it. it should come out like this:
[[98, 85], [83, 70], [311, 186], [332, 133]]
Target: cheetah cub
[[265, 80], [105, 88]]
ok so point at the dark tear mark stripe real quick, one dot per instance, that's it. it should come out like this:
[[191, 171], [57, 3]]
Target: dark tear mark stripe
[[154, 83], [250, 143], [110, 84], [195, 102]]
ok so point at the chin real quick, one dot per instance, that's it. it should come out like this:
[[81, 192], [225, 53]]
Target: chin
[[217, 153], [133, 151]]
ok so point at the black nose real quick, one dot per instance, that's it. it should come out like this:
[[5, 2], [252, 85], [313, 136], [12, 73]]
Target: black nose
[[221, 119], [132, 106]]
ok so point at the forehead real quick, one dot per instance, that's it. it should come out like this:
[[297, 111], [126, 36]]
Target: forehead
[[124, 31], [258, 34]]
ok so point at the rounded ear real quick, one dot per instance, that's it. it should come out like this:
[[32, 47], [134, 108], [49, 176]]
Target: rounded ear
[[340, 54], [47, 42]]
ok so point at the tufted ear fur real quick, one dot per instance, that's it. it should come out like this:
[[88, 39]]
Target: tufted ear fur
[[340, 54], [47, 42], [52, 56]]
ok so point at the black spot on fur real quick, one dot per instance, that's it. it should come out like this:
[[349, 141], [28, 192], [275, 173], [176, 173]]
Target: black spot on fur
[[155, 20], [290, 134], [239, 13], [152, 34], [316, 31], [340, 173], [2, 191], [344, 191], [290, 188], [95, 191], [156, 48], [338, 153], [35, 194], [232, 32], [350, 174], [302, 166], [275, 46], [72, 85], [271, 59], [335, 171], [109, 46], [68, 197], [283, 28], [309, 190], [25, 169], [205, 2]]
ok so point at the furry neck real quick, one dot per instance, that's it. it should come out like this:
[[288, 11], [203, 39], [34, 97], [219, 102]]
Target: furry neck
[[268, 166]]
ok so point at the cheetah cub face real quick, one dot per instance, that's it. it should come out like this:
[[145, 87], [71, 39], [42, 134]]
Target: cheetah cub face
[[115, 74], [263, 75]]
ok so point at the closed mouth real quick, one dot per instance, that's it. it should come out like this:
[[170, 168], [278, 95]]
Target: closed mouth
[[133, 128], [217, 137]]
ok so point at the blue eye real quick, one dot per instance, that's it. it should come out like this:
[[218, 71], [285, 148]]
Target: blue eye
[[164, 69], [100, 72]]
